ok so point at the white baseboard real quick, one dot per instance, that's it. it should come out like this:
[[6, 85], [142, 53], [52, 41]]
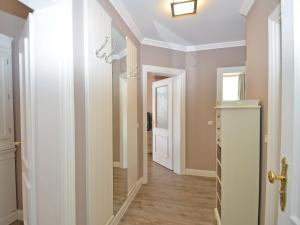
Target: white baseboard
[[12, 217], [116, 219], [144, 180], [117, 164], [20, 214], [217, 217], [200, 173]]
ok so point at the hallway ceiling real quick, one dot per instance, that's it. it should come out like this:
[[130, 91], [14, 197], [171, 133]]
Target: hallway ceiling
[[216, 21]]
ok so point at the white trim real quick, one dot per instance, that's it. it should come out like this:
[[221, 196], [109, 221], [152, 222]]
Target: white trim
[[121, 9], [110, 220], [117, 164], [192, 48], [170, 72], [163, 44], [230, 44], [217, 216], [247, 5], [201, 173], [20, 214], [10, 218], [274, 82], [127, 202]]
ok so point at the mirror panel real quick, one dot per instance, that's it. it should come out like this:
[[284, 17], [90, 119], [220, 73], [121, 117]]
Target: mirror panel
[[119, 83]]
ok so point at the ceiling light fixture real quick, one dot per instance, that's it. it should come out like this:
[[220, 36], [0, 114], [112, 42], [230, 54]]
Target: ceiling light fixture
[[183, 7]]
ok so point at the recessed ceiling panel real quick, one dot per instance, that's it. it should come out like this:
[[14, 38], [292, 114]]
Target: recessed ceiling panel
[[216, 21]]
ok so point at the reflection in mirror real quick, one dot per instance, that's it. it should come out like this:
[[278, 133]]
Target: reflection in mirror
[[119, 88], [231, 84]]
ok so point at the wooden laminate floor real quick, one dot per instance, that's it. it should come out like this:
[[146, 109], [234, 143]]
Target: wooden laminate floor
[[17, 223], [170, 199]]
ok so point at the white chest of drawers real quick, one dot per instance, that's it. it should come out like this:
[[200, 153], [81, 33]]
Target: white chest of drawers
[[238, 162]]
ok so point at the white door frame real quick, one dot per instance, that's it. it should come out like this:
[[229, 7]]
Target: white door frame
[[274, 87], [171, 72]]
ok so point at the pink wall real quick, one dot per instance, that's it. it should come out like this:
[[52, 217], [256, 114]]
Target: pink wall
[[201, 68], [257, 73]]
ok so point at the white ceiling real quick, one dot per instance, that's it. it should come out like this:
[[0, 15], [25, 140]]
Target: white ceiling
[[217, 21]]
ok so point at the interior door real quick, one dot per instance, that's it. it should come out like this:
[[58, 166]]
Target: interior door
[[289, 177], [26, 120], [162, 151]]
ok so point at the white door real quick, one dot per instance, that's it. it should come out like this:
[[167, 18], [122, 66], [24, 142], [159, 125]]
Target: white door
[[289, 182], [26, 117], [162, 92]]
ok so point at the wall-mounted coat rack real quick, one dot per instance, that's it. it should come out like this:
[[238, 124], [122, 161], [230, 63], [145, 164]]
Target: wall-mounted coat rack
[[106, 56]]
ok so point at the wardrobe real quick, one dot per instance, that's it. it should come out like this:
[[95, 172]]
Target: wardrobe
[[8, 203]]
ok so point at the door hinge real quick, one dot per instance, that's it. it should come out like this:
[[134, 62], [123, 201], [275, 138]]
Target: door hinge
[[9, 130], [8, 96], [7, 62]]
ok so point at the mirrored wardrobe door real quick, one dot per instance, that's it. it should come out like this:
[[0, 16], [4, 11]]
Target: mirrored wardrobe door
[[119, 88]]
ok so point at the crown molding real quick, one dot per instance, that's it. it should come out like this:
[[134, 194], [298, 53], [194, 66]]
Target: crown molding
[[163, 44], [247, 5], [121, 9], [230, 44], [193, 48]]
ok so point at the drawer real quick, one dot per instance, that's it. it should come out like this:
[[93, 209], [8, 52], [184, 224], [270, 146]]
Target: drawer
[[219, 153]]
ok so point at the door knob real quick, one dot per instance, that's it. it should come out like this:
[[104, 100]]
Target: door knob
[[283, 182]]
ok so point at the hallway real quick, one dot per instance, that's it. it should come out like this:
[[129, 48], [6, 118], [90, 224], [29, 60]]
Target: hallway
[[170, 199]]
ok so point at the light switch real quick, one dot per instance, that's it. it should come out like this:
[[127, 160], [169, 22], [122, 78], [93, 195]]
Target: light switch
[[210, 123]]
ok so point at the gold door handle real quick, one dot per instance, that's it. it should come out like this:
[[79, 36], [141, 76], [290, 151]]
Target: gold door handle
[[273, 177], [283, 180]]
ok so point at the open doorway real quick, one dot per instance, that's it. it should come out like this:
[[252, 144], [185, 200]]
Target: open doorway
[[164, 118]]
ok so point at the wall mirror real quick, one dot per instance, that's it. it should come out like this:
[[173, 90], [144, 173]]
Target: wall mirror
[[231, 83], [119, 88]]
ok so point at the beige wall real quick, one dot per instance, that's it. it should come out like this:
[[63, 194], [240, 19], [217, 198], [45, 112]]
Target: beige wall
[[201, 68], [257, 72], [12, 26]]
